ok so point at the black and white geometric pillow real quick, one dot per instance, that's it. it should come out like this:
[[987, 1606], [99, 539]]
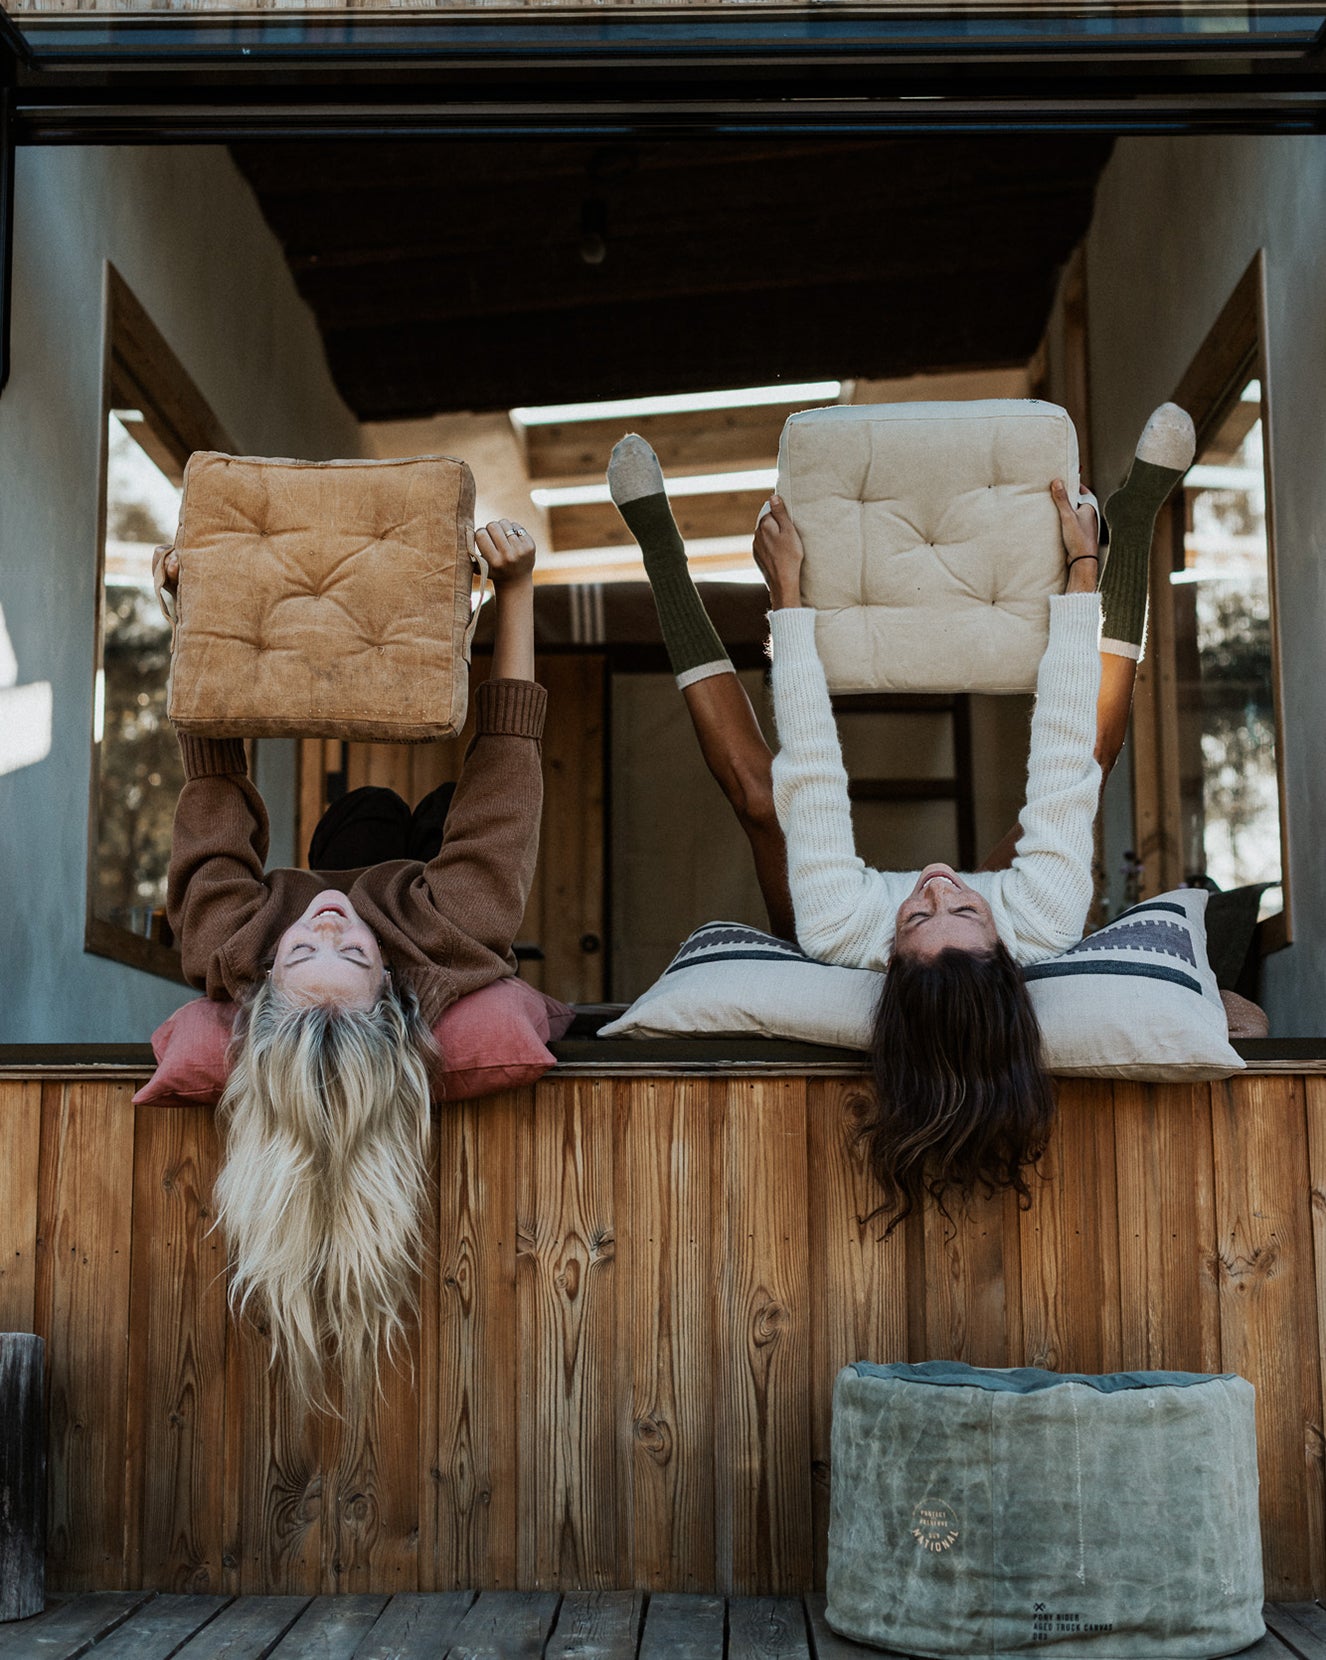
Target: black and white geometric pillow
[[734, 942], [731, 980], [1153, 940], [1136, 999]]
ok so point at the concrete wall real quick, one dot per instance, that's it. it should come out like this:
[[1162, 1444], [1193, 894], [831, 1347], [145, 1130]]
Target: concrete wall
[[184, 231], [1177, 222]]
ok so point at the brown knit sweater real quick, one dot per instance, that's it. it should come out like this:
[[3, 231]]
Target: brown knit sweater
[[446, 926]]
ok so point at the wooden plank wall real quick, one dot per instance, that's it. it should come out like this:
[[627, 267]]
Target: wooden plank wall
[[637, 1297]]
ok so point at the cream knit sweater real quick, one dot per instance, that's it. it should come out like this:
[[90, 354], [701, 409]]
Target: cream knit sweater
[[845, 912]]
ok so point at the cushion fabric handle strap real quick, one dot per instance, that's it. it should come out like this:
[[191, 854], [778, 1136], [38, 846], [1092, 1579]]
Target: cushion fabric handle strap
[[478, 559]]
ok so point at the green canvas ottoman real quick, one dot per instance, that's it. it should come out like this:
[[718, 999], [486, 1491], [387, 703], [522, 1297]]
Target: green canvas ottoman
[[989, 1513]]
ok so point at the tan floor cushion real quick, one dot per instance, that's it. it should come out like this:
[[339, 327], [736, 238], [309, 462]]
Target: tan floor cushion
[[323, 599], [932, 543]]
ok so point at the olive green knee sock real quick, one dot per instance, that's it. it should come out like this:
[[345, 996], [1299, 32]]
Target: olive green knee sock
[[1164, 454], [635, 481]]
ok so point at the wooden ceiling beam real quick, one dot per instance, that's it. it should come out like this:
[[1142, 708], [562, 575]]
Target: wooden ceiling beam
[[600, 525], [448, 275], [682, 344], [343, 168], [349, 299], [772, 215], [711, 440]]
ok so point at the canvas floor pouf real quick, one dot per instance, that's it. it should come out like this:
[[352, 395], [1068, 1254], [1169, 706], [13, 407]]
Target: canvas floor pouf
[[991, 1513]]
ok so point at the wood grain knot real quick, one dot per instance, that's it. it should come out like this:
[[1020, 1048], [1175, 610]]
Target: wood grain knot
[[1252, 1267], [655, 1438], [769, 1321], [858, 1111], [357, 1507]]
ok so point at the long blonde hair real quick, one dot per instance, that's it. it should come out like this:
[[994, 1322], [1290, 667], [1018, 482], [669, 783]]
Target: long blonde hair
[[325, 1125]]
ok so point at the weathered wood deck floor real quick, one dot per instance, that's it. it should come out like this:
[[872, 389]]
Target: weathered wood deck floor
[[493, 1625]]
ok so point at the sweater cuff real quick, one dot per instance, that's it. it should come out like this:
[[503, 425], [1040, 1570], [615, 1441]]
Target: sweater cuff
[[212, 757], [792, 622], [800, 696], [1078, 613], [510, 709]]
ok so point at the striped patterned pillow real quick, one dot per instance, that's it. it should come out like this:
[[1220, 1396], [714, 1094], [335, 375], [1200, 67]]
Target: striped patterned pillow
[[731, 980], [1137, 999]]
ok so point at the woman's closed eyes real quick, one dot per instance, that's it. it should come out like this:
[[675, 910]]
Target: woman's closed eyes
[[302, 952], [925, 916]]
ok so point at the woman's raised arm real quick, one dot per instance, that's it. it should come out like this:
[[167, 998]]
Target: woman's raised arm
[[1049, 885], [218, 855], [481, 878], [844, 910]]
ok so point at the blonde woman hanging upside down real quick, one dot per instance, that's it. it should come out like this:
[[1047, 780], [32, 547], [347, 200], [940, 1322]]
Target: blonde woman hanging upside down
[[339, 974]]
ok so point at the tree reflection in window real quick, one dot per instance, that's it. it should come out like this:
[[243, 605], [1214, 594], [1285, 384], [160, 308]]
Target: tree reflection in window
[[1229, 788], [140, 773], [154, 417]]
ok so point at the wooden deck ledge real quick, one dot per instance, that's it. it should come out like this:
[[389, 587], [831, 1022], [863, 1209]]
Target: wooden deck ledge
[[581, 1052], [638, 1289]]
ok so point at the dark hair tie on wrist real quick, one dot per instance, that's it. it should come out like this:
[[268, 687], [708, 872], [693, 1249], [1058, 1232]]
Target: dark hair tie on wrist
[[1081, 557]]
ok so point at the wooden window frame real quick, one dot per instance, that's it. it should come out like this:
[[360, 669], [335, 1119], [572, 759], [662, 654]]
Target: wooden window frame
[[1233, 352], [139, 370]]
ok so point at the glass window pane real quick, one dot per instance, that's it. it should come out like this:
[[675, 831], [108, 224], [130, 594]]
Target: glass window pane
[[140, 773], [1229, 782]]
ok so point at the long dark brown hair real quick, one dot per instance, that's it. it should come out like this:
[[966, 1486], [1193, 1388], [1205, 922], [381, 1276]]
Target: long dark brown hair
[[962, 1101]]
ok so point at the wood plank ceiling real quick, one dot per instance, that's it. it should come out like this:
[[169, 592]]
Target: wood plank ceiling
[[482, 275]]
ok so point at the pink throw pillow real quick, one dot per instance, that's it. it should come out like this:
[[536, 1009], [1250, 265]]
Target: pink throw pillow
[[496, 1038]]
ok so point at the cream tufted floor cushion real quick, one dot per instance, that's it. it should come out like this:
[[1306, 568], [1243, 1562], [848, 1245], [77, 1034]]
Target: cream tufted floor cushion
[[932, 543], [323, 599], [991, 1513]]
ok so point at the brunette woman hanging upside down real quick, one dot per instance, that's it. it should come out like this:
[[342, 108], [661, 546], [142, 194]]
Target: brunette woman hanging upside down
[[962, 1101]]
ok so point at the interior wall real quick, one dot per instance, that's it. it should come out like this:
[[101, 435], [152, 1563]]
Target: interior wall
[[1177, 222], [185, 232], [679, 858]]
